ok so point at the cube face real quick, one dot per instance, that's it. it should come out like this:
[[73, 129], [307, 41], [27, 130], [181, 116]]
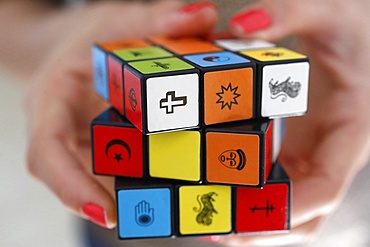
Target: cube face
[[269, 149], [144, 212], [261, 210], [284, 76], [284, 89], [228, 95], [184, 46], [242, 44], [100, 72], [163, 94], [115, 81], [204, 209], [172, 102], [133, 99], [216, 59], [117, 148], [124, 44], [142, 53], [233, 158], [160, 65], [175, 155]]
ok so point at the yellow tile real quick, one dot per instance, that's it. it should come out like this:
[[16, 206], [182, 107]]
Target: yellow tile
[[204, 209], [273, 54], [175, 155]]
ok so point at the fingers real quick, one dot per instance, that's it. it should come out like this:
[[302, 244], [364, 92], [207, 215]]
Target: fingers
[[194, 19], [271, 21], [52, 162]]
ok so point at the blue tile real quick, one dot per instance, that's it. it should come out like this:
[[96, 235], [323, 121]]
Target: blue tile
[[100, 72], [216, 59], [144, 213]]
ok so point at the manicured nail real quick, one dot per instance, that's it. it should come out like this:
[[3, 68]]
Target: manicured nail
[[210, 238], [96, 214], [194, 7], [252, 20]]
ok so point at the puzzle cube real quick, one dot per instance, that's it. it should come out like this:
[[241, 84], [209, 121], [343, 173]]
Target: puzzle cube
[[204, 209], [283, 77], [120, 149], [239, 153], [266, 209], [100, 53], [144, 209]]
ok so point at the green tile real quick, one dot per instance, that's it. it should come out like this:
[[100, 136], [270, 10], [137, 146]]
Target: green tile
[[160, 65], [142, 53]]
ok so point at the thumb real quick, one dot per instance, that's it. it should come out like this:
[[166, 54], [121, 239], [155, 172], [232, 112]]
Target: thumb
[[274, 20]]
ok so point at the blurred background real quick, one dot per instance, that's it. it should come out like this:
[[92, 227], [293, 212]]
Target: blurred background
[[30, 215]]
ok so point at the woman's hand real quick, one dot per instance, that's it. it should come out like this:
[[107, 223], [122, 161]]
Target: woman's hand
[[60, 101], [324, 150]]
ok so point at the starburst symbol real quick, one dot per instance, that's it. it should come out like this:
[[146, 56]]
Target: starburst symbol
[[228, 96]]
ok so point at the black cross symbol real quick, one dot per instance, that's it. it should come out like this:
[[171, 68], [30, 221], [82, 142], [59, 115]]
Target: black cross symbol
[[171, 101], [268, 208]]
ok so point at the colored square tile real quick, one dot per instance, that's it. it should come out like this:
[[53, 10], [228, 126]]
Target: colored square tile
[[204, 209], [243, 44], [100, 72], [144, 212], [172, 102], [175, 155], [123, 44], [273, 54], [216, 59], [285, 89], [261, 210], [117, 150], [228, 95], [164, 40], [115, 80], [185, 45], [133, 99], [160, 65], [142, 53], [233, 158]]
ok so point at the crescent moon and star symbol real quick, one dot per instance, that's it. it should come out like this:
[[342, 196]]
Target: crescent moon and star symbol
[[118, 156]]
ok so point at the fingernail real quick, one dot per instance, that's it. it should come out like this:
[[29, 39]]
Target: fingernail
[[194, 7], [96, 214], [210, 238], [252, 20]]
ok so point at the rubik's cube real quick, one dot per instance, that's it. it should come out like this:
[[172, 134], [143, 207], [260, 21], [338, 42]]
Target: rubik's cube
[[193, 133]]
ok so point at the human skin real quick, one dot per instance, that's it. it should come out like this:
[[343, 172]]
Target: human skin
[[322, 151]]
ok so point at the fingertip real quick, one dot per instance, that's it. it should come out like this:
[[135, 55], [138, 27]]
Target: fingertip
[[191, 20], [98, 215], [251, 21]]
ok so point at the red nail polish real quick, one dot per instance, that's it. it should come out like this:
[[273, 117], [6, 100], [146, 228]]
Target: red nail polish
[[95, 213], [190, 8], [252, 20], [209, 238]]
